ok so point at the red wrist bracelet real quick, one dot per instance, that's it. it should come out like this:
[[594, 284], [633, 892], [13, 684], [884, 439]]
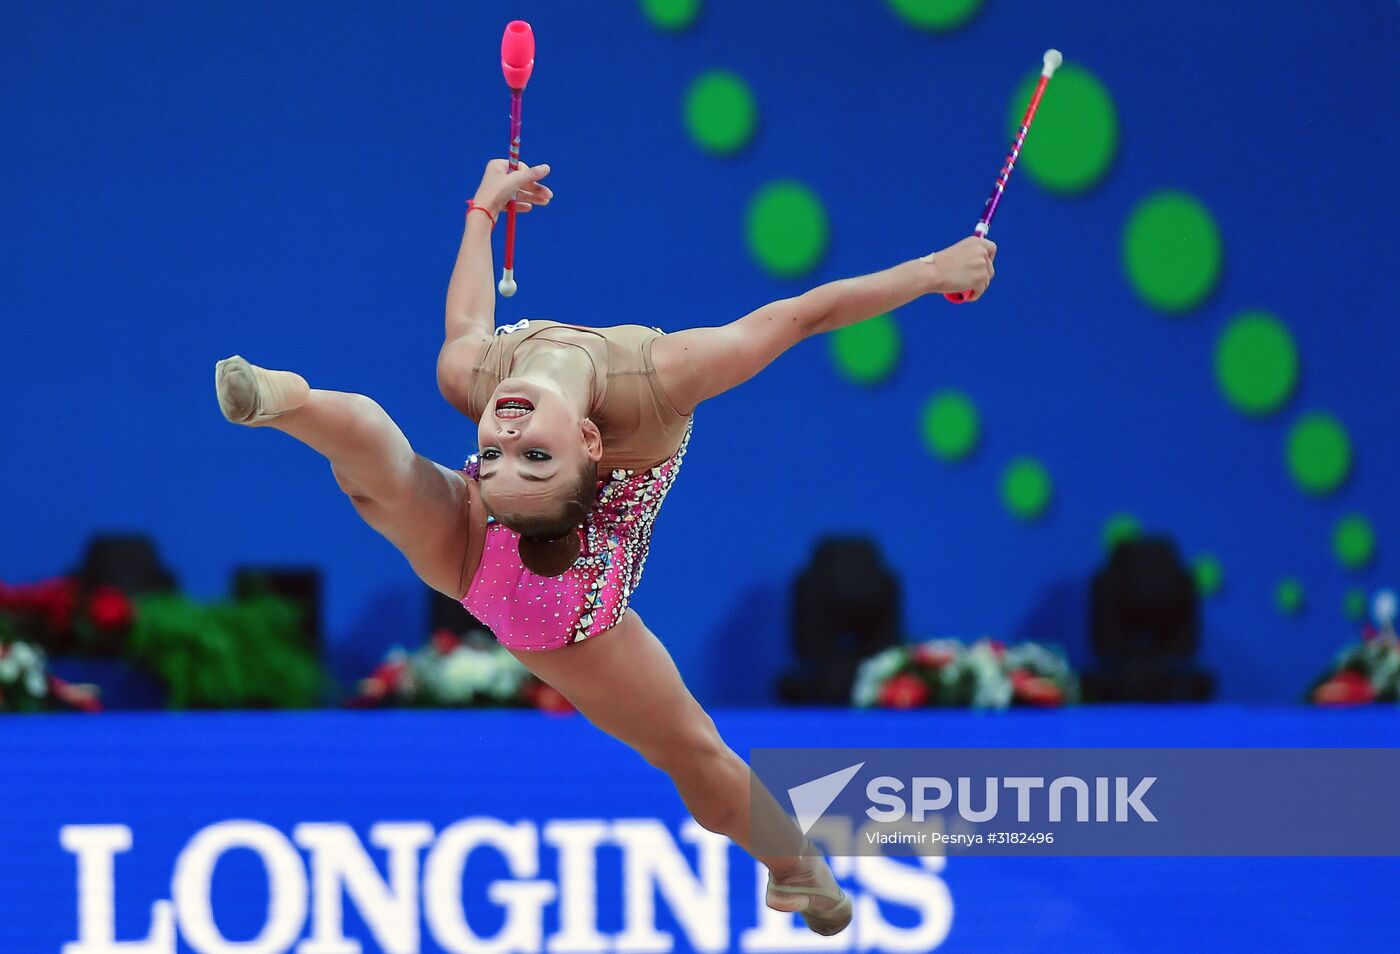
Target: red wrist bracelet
[[473, 207]]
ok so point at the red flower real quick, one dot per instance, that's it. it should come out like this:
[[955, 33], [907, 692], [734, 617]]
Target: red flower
[[1033, 690], [1346, 688], [109, 608], [998, 648], [904, 692], [445, 642], [933, 658]]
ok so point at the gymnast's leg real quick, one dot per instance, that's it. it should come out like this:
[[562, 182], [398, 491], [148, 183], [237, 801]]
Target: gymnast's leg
[[416, 504], [626, 684]]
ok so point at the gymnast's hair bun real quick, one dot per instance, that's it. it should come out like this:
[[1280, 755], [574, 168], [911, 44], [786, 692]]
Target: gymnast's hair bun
[[550, 557]]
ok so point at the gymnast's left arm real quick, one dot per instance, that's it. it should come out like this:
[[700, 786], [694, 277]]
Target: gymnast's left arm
[[700, 363]]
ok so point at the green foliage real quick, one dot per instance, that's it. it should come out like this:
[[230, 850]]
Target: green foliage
[[248, 654]]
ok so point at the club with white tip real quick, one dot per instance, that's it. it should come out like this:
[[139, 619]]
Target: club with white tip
[[1050, 63], [517, 62]]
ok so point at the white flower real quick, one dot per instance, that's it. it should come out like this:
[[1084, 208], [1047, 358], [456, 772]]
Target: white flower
[[992, 693], [1039, 659], [991, 689], [509, 676], [24, 655], [462, 674]]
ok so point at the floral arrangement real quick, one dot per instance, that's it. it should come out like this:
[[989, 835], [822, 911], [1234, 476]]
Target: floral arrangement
[[1368, 671], [210, 656], [456, 671], [947, 672]]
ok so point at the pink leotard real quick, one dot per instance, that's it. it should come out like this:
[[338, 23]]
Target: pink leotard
[[530, 612]]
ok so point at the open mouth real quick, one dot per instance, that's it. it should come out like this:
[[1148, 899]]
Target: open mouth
[[510, 408]]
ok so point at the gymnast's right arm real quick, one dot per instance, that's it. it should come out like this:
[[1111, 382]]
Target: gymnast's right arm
[[471, 293]]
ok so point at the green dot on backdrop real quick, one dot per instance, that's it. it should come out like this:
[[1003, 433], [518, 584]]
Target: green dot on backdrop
[[1172, 251], [1075, 132], [950, 425], [787, 229], [720, 112], [1025, 488], [1209, 574], [1319, 453], [867, 352], [1256, 363], [1288, 596], [1119, 528], [1353, 541], [938, 16], [1354, 604], [673, 16]]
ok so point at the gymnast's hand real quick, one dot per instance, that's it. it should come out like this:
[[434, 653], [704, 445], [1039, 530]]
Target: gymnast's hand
[[966, 266], [499, 185]]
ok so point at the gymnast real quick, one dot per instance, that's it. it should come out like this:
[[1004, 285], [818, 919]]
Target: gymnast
[[534, 545]]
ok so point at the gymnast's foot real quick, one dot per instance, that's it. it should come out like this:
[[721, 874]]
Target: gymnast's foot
[[252, 395], [813, 892]]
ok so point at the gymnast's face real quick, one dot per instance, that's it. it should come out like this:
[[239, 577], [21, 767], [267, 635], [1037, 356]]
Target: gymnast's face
[[533, 448]]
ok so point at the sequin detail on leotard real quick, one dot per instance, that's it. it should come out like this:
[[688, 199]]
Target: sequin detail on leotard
[[530, 612]]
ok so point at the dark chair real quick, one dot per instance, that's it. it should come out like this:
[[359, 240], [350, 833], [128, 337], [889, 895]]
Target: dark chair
[[845, 608], [127, 561], [1145, 623]]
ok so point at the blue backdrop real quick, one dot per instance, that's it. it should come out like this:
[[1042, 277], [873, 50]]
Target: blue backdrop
[[186, 181]]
